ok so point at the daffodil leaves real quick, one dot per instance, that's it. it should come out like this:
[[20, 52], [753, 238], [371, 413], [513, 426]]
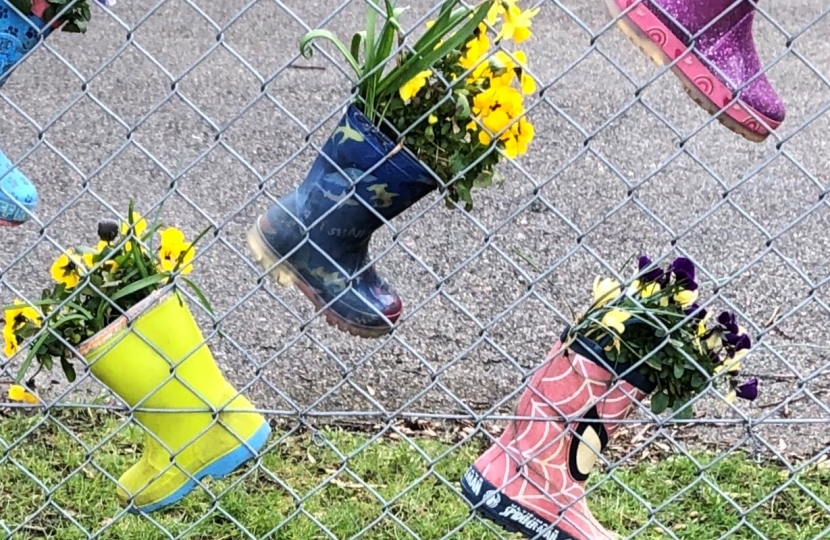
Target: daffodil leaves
[[307, 40]]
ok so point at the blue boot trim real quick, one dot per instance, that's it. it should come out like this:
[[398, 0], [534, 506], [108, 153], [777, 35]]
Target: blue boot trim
[[504, 512], [216, 470], [17, 194], [320, 232]]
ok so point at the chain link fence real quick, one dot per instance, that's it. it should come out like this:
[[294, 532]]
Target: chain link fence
[[207, 111]]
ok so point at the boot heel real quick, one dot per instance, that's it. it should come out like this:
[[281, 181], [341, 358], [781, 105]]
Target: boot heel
[[263, 256]]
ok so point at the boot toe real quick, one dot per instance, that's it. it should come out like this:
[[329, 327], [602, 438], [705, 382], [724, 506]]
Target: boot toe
[[18, 196], [761, 96]]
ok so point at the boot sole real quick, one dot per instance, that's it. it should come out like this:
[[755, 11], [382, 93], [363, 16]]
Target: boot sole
[[493, 513], [4, 223], [285, 275], [739, 118], [217, 470]]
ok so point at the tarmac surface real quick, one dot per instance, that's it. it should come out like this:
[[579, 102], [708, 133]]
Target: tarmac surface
[[173, 108]]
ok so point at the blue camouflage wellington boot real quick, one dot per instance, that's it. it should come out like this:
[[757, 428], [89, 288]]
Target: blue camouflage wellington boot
[[18, 197], [317, 237]]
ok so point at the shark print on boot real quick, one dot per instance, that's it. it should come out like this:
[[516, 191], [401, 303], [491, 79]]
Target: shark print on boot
[[715, 54], [317, 237], [532, 480]]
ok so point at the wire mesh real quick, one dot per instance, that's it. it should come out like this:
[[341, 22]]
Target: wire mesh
[[207, 112]]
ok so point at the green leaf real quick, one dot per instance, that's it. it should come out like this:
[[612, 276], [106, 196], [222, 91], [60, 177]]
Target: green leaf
[[202, 298], [149, 281], [25, 6], [683, 411], [68, 369], [308, 38], [679, 369], [428, 55], [659, 402], [357, 42], [33, 350]]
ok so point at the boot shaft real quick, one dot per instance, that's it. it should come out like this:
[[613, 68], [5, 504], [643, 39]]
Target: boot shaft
[[385, 180], [694, 16]]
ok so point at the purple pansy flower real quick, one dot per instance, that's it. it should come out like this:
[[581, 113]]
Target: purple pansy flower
[[684, 273], [652, 275], [697, 316], [748, 390], [727, 320]]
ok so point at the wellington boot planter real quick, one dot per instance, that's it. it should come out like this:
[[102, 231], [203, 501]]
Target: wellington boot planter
[[196, 423], [317, 237], [532, 480]]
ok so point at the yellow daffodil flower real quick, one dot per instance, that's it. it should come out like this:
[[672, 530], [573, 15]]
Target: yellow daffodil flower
[[476, 49], [605, 290], [495, 13], [685, 298], [171, 248], [516, 22], [18, 393], [614, 319], [67, 269], [411, 88]]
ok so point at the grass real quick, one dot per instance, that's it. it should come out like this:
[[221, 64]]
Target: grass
[[383, 491]]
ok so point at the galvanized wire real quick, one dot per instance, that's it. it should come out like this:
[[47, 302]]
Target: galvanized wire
[[210, 113]]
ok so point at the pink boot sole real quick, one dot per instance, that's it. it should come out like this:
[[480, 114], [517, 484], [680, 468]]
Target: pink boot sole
[[660, 44]]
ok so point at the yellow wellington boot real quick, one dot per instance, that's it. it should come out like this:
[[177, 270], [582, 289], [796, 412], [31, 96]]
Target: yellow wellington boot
[[161, 366]]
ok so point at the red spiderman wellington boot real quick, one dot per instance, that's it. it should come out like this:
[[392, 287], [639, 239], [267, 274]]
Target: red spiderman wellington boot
[[532, 480]]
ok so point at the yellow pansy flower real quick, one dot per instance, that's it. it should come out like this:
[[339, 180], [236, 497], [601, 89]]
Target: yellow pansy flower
[[605, 290], [20, 314], [411, 88], [138, 228], [171, 248], [476, 49], [508, 67], [518, 138], [67, 269], [516, 22], [10, 344], [432, 119], [730, 366], [19, 393], [685, 298]]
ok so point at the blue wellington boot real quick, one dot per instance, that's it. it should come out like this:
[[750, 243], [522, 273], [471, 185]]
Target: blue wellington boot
[[317, 237], [18, 197]]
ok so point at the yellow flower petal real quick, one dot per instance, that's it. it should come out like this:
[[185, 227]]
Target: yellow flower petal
[[432, 119], [605, 290], [686, 298], [66, 269], [411, 88], [18, 393], [614, 319]]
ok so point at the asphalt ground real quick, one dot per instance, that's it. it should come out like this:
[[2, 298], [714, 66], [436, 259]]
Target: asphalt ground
[[173, 108]]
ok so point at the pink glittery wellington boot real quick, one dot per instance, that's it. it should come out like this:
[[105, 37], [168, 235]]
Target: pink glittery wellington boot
[[723, 62], [532, 480]]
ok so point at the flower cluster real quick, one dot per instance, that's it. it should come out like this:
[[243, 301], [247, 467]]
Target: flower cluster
[[92, 288], [454, 97], [473, 99], [657, 318]]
